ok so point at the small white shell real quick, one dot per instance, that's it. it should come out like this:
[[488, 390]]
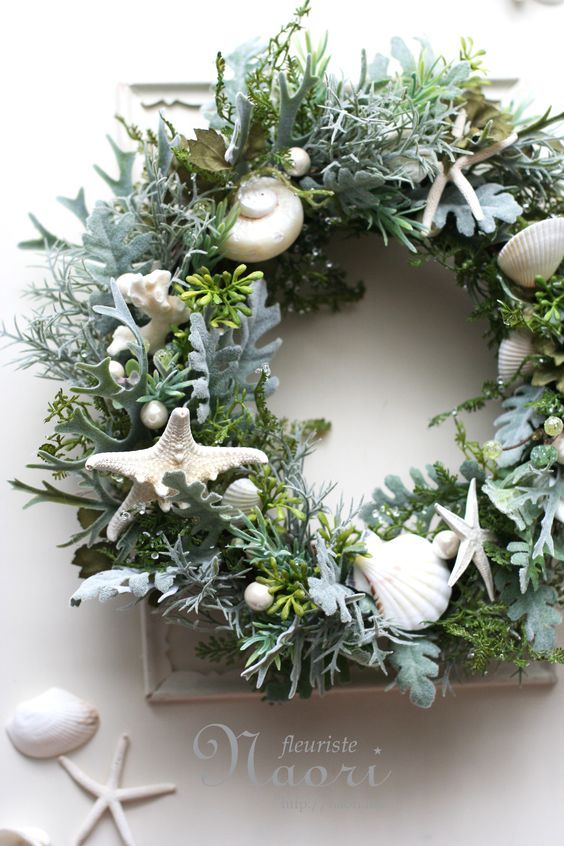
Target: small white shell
[[258, 597], [154, 414], [535, 251], [407, 579], [23, 836], [512, 351], [301, 161], [52, 724], [446, 544], [242, 496], [270, 219]]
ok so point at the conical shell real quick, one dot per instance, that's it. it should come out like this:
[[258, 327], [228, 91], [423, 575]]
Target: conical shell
[[23, 836], [242, 496], [512, 352], [537, 250], [54, 723], [408, 580]]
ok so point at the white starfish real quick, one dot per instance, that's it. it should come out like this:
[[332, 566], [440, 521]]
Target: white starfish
[[456, 176], [110, 796], [175, 450], [472, 536]]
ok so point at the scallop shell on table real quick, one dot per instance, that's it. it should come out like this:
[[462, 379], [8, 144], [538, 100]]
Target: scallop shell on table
[[537, 250], [513, 350], [270, 219], [242, 496], [407, 579], [23, 836], [54, 723]]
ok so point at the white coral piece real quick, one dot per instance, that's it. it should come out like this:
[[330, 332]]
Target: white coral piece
[[150, 295]]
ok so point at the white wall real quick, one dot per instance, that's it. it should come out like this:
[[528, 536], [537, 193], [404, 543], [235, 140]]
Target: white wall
[[482, 767]]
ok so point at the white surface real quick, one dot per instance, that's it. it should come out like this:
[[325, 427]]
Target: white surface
[[458, 773]]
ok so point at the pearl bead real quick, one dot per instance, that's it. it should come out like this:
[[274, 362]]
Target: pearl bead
[[117, 370], [258, 597], [154, 414], [553, 426], [301, 162], [445, 544]]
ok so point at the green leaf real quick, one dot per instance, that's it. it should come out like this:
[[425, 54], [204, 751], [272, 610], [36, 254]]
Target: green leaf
[[207, 152], [496, 204], [76, 205], [416, 669], [93, 559], [204, 509], [46, 241]]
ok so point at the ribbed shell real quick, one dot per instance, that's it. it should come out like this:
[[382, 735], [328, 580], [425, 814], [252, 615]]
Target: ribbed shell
[[242, 495], [408, 580], [512, 350], [537, 250], [52, 724], [24, 836]]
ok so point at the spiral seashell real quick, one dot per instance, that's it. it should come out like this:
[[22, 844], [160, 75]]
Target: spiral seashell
[[270, 219], [242, 496], [537, 250], [513, 350], [52, 724], [23, 836], [407, 579]]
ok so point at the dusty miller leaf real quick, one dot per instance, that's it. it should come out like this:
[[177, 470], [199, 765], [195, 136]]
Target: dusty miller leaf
[[416, 669], [123, 185], [537, 606], [517, 423], [202, 508], [326, 590], [495, 202], [112, 244]]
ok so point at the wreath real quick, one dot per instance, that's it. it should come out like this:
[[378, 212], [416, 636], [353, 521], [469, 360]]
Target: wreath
[[190, 492]]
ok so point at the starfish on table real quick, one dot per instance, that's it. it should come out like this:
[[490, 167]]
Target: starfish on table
[[110, 796], [456, 176], [472, 536], [175, 450]]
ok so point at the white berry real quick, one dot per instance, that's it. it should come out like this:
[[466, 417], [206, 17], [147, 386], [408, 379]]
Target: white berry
[[258, 597], [154, 414]]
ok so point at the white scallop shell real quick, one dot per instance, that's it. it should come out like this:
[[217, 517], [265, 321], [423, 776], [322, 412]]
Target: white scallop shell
[[408, 580], [23, 836], [52, 724], [270, 219], [242, 496], [558, 444], [512, 351], [537, 250]]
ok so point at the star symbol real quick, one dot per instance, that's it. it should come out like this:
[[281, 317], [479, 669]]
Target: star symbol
[[455, 175], [110, 796], [377, 751], [175, 450], [473, 538]]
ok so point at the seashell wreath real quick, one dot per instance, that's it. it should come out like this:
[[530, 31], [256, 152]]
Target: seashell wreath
[[193, 493]]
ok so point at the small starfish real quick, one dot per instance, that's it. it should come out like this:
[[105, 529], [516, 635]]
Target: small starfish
[[473, 537], [175, 450], [110, 796], [455, 175]]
